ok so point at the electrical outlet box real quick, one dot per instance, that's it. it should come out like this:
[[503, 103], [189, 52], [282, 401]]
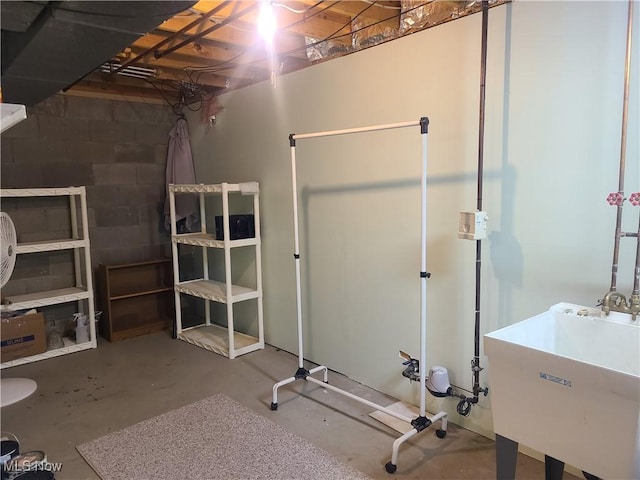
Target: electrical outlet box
[[473, 225]]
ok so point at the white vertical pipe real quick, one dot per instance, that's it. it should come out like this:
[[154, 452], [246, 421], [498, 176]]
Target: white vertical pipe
[[423, 280], [174, 254], [205, 256], [87, 260], [227, 268], [75, 235], [258, 260], [203, 223], [296, 251], [76, 251]]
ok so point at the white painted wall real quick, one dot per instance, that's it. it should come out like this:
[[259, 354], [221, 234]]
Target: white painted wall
[[554, 103]]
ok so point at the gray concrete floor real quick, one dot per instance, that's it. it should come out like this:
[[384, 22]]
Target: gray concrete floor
[[88, 394]]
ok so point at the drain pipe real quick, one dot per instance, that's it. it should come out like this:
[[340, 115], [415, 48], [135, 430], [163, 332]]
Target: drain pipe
[[475, 363]]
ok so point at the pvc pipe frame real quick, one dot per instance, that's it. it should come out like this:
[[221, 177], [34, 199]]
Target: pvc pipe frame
[[306, 375]]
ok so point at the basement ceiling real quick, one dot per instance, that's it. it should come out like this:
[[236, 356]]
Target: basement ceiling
[[47, 46], [185, 52]]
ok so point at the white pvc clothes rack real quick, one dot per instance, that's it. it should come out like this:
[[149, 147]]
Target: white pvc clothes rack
[[422, 421]]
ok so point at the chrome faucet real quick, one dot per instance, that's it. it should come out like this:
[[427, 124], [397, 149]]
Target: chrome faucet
[[634, 305], [616, 302]]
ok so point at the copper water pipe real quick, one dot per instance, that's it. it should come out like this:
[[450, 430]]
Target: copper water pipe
[[623, 153]]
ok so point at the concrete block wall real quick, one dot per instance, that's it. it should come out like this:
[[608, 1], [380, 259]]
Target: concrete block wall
[[117, 149]]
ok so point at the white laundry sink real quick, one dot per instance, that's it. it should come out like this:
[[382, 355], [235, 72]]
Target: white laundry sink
[[567, 384]]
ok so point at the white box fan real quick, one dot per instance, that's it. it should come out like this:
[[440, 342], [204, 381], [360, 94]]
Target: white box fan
[[12, 389], [9, 241]]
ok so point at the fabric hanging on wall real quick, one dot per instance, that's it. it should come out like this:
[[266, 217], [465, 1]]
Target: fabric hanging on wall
[[180, 170]]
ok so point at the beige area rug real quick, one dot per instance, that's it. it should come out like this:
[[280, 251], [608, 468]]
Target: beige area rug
[[215, 438]]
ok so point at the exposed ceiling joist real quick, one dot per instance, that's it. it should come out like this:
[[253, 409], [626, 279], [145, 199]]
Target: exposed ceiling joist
[[210, 46]]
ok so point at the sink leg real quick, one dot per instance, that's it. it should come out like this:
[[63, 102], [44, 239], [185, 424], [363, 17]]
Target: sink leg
[[590, 476], [506, 458], [553, 468]]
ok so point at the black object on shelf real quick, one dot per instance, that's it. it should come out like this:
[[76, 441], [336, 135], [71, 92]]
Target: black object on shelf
[[240, 226]]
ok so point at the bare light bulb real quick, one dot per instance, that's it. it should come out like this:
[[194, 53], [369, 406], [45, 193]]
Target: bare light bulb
[[267, 22]]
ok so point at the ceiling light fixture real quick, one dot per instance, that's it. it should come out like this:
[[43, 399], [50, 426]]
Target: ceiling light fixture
[[267, 21]]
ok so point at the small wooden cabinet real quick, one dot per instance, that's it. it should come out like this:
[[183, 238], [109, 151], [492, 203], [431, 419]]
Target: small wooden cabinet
[[135, 298]]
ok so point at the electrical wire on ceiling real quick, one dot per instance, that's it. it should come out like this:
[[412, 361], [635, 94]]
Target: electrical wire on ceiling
[[228, 63], [333, 35], [188, 94], [224, 65], [291, 9], [195, 73], [353, 19], [318, 12], [234, 16], [307, 17], [160, 89], [217, 20], [275, 4], [134, 60]]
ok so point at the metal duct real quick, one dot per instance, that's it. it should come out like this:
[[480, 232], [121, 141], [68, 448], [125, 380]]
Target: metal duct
[[417, 14], [368, 36], [321, 49], [47, 46]]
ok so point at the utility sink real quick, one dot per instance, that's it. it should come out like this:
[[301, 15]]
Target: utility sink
[[566, 383]]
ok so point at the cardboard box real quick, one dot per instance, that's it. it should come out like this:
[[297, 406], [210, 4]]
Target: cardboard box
[[22, 336]]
